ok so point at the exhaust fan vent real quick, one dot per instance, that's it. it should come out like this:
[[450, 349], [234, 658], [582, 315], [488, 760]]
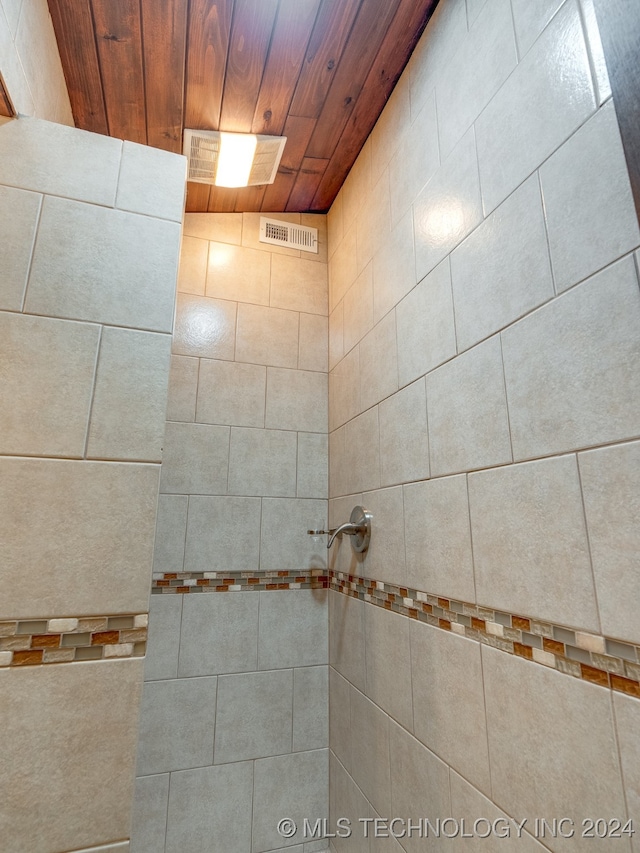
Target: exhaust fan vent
[[203, 147], [289, 235]]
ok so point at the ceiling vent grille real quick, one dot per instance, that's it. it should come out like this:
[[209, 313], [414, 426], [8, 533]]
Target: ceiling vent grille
[[288, 234], [202, 149]]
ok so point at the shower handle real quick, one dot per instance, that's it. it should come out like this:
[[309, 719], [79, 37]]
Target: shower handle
[[358, 527]]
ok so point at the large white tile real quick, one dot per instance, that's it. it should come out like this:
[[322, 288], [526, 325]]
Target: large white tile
[[590, 212], [389, 663], [19, 211], [449, 206], [362, 452], [149, 820], [438, 537], [425, 325], [373, 222], [404, 446], [140, 190], [222, 533], [378, 362], [231, 393], [357, 309], [171, 526], [346, 638], [467, 412], [611, 488], [299, 285], [284, 543], [310, 708], [530, 20], [344, 389], [343, 268], [570, 730], [340, 717], [386, 135], [530, 542], [627, 715], [313, 343], [192, 272], [357, 186], [183, 388], [296, 399], [502, 270], [394, 268], [482, 62], [370, 751], [195, 460], [384, 559], [293, 628], [267, 336], [596, 51], [262, 462], [204, 327], [106, 266], [130, 397], [221, 227], [313, 463], [78, 536], [45, 385], [163, 641], [571, 368], [554, 81], [238, 273], [58, 160]]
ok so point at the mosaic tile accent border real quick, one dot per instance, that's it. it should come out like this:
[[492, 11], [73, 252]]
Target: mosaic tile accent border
[[189, 582], [590, 657], [46, 641]]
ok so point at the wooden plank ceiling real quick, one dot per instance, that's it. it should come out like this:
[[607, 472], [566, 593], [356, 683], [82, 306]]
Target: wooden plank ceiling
[[316, 71]]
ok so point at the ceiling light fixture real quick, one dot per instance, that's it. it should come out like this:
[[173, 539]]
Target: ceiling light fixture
[[232, 159]]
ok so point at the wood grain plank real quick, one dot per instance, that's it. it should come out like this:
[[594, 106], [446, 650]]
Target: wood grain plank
[[291, 35], [73, 26], [327, 43], [371, 24], [250, 198], [251, 29], [306, 184], [619, 23], [402, 36], [119, 40], [298, 131], [208, 42], [6, 107], [222, 200], [197, 197], [164, 31], [277, 194]]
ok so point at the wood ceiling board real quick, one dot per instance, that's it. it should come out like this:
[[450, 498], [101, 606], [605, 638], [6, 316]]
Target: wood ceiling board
[[6, 107], [298, 131], [277, 194], [371, 24], [119, 40], [289, 41], [250, 198], [222, 200], [73, 26], [328, 39], [164, 32], [251, 30], [208, 41], [306, 185], [197, 197]]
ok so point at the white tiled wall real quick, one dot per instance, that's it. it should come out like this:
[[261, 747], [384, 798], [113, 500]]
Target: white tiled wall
[[484, 405]]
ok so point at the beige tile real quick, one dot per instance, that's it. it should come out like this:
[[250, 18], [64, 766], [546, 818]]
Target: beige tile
[[571, 731], [50, 724], [373, 222], [313, 464], [404, 446], [14, 75], [163, 642], [611, 488], [347, 801], [438, 537], [417, 777], [389, 663], [293, 629], [357, 186], [370, 751], [588, 176], [447, 674], [223, 533], [219, 634], [554, 79], [313, 346], [130, 397], [139, 189], [204, 327], [394, 270], [358, 309], [449, 206], [12, 10], [627, 717], [482, 62], [343, 268], [251, 233], [594, 43], [262, 462], [149, 820], [19, 213], [46, 386], [310, 708], [221, 227], [527, 522], [296, 399], [530, 20], [385, 558], [231, 393], [342, 557], [389, 130], [60, 161], [425, 325], [284, 542], [346, 638], [502, 270], [340, 717], [362, 454], [572, 379], [195, 460], [267, 336], [86, 259], [344, 389], [319, 222], [299, 285], [334, 224], [379, 362], [171, 529], [254, 715], [467, 412], [91, 549], [183, 388], [192, 272], [338, 475], [238, 273]]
